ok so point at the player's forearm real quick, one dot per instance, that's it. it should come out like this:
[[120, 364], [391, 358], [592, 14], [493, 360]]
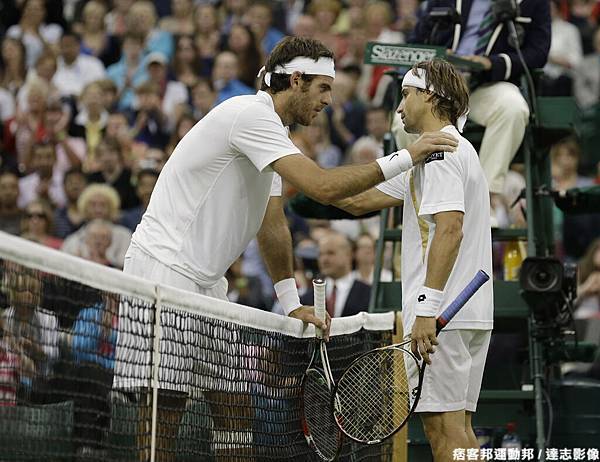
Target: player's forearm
[[275, 244], [342, 182], [442, 256]]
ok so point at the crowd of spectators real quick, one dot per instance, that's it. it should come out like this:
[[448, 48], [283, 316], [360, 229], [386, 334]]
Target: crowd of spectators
[[95, 95]]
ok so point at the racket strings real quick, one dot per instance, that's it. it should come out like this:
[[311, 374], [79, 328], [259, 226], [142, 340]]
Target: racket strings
[[373, 396], [319, 419]]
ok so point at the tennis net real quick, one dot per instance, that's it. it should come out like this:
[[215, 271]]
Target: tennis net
[[98, 365]]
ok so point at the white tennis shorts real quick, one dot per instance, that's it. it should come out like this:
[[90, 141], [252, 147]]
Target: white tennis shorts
[[453, 380], [135, 340]]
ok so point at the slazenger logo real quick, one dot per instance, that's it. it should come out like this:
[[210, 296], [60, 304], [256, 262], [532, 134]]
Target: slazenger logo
[[398, 55], [435, 156], [421, 298]]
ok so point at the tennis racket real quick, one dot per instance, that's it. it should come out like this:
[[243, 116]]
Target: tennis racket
[[318, 424], [373, 398]]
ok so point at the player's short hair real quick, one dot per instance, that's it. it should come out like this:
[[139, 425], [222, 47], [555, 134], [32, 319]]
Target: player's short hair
[[287, 49], [444, 77]]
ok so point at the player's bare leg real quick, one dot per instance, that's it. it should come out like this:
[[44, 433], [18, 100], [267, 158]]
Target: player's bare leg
[[445, 432]]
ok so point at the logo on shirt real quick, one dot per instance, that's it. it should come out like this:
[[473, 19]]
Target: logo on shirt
[[435, 156], [422, 298]]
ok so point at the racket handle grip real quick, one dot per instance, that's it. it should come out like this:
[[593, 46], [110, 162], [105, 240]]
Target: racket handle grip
[[320, 309], [480, 278]]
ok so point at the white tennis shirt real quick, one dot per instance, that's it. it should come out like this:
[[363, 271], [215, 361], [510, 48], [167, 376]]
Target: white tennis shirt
[[446, 182], [211, 196]]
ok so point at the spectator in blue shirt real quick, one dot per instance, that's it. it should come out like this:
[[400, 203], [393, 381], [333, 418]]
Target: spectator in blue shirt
[[225, 78]]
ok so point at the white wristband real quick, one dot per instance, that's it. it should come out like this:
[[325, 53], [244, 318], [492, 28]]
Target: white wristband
[[394, 164], [287, 294], [428, 302]]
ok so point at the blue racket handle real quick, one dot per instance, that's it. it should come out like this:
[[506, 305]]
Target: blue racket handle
[[480, 279]]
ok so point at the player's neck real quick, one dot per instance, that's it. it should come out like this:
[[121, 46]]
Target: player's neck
[[431, 123], [280, 103]]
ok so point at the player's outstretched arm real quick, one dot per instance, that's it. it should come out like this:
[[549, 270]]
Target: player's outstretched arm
[[371, 200], [330, 185]]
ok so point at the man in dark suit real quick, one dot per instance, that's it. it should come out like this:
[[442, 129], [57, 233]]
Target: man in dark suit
[[496, 102], [345, 294]]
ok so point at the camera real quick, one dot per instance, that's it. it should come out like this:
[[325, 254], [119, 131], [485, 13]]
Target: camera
[[548, 286]]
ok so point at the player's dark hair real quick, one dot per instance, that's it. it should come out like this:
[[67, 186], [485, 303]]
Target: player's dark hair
[[443, 76], [287, 49]]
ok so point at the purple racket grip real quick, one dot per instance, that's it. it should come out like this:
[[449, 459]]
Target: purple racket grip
[[480, 278]]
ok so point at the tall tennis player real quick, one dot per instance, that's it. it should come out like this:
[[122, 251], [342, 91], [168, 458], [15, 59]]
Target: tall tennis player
[[446, 238]]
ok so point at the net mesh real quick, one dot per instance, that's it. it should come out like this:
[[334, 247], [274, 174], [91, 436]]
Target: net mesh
[[95, 365], [374, 396]]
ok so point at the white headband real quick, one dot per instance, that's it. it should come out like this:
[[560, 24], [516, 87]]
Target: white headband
[[419, 81], [322, 66]]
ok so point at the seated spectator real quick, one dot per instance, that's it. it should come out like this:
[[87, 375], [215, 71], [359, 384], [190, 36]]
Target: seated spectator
[[74, 69], [575, 232], [173, 94], [564, 56], [587, 77], [260, 18], [345, 295], [363, 151], [141, 19], [112, 171], [327, 155], [364, 261], [10, 213], [207, 36], [117, 128], [99, 201], [242, 289], [115, 20], [37, 225], [90, 123], [146, 180], [110, 94], [41, 74], [130, 70], [92, 341], [95, 38], [26, 128], [186, 67], [225, 78], [14, 62], [44, 182], [149, 122], [587, 305], [97, 240], [30, 329], [33, 31], [68, 219], [11, 371], [242, 42], [305, 26], [7, 102], [377, 120], [70, 151], [346, 114], [203, 98], [181, 20]]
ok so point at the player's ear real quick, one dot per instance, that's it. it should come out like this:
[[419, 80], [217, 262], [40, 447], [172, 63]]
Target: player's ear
[[296, 79]]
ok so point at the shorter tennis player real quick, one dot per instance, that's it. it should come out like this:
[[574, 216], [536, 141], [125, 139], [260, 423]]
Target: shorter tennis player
[[446, 239]]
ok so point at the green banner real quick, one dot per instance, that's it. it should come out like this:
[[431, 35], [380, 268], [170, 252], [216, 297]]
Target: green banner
[[400, 55]]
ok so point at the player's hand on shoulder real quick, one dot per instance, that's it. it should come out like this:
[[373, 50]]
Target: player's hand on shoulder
[[307, 314], [430, 142], [423, 337]]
